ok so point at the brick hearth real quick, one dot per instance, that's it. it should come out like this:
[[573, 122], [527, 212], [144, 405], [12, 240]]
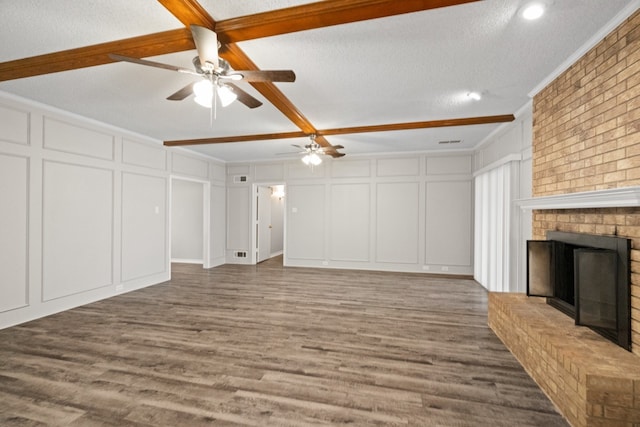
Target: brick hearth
[[592, 381]]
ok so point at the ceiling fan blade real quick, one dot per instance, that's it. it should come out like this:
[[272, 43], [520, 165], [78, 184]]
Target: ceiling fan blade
[[182, 93], [337, 147], [206, 44], [154, 64], [327, 148], [244, 97], [265, 75]]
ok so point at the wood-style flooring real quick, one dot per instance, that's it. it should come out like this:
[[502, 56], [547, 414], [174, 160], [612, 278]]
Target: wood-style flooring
[[266, 345]]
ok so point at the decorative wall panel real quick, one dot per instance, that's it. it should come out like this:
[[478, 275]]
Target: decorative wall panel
[[350, 222], [189, 166], [70, 138], [144, 235], [146, 155], [77, 222], [397, 228], [448, 223], [14, 125], [14, 232]]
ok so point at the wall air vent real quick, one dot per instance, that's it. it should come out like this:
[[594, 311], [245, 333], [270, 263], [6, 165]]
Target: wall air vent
[[453, 141], [237, 179], [240, 254]]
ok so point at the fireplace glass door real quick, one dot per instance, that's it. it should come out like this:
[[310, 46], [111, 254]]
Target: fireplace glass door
[[595, 284]]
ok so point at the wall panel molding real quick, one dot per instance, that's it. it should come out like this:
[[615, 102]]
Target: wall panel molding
[[14, 125], [398, 167], [14, 231], [77, 229], [189, 166], [75, 139], [144, 226], [397, 222], [144, 154]]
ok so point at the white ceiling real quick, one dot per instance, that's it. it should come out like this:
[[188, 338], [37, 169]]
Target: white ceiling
[[412, 67]]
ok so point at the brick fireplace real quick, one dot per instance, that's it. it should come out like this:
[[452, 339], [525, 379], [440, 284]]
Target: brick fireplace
[[586, 147]]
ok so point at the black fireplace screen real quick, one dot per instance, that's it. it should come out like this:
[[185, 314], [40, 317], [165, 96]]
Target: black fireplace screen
[[586, 277], [595, 281]]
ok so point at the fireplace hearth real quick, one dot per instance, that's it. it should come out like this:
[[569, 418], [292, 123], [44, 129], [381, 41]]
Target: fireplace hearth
[[587, 277]]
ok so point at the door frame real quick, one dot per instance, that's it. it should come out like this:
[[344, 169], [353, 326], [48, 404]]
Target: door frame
[[253, 258]]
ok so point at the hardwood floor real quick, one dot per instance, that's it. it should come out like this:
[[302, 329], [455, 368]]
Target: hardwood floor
[[267, 345]]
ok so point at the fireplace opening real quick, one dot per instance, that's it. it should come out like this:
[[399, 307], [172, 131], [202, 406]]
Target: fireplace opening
[[586, 277]]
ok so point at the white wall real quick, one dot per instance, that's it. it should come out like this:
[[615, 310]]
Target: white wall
[[502, 176], [187, 221], [84, 211], [376, 212]]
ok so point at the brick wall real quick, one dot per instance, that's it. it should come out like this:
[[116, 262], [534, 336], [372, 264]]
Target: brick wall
[[586, 136], [586, 124]]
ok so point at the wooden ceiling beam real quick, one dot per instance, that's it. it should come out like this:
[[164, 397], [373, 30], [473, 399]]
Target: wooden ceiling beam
[[189, 12], [139, 47], [298, 18], [420, 125], [318, 15], [320, 134], [241, 138]]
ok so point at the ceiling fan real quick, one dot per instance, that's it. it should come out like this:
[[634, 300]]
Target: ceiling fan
[[312, 151], [217, 76]]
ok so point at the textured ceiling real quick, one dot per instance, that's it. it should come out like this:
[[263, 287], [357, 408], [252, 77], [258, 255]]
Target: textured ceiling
[[411, 67]]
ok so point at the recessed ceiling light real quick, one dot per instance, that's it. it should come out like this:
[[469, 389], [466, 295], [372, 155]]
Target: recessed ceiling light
[[533, 11], [474, 95]]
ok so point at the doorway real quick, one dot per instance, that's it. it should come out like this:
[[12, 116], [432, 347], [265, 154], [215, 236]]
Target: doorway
[[268, 235]]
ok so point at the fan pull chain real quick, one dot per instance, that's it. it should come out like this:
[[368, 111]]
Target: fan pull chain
[[213, 112], [215, 104]]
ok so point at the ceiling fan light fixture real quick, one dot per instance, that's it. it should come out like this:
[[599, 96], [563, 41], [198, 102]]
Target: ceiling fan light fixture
[[311, 159], [227, 95], [203, 89], [205, 102]]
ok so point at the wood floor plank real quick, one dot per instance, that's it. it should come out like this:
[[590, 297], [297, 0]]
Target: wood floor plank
[[268, 345]]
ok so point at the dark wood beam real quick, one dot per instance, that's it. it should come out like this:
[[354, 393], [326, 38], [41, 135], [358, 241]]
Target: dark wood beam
[[420, 125], [241, 138], [320, 14], [299, 18], [466, 121], [189, 12], [150, 45]]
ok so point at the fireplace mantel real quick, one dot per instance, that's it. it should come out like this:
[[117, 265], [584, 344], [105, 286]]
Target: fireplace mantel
[[610, 198]]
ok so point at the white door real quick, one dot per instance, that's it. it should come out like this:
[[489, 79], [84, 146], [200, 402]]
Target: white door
[[264, 223]]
